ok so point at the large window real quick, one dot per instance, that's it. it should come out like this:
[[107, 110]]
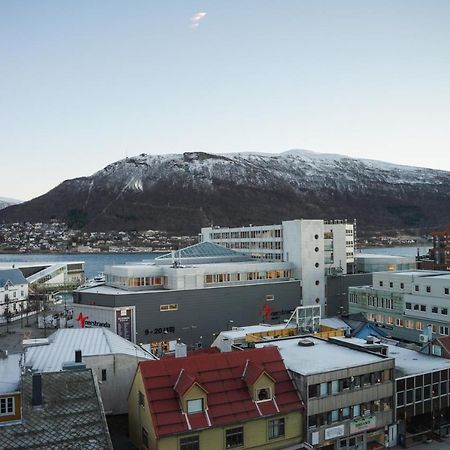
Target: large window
[[6, 406], [194, 406], [190, 443], [234, 437], [276, 428]]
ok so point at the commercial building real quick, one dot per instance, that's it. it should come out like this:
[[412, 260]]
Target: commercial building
[[348, 393], [406, 303], [58, 410], [315, 247], [196, 292], [422, 398], [216, 401], [112, 359], [370, 262]]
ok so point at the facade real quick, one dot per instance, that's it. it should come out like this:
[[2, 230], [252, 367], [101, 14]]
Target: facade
[[58, 410], [439, 255], [216, 401], [13, 293], [316, 248], [406, 304], [422, 398], [10, 398], [112, 359], [369, 263], [196, 292], [348, 393]]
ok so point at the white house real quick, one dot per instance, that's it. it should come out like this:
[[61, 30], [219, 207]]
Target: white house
[[13, 292]]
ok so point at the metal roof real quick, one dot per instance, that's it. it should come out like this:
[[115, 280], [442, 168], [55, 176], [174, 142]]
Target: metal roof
[[203, 250], [91, 341], [14, 276]]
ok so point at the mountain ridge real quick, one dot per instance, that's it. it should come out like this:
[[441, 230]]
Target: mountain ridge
[[182, 192]]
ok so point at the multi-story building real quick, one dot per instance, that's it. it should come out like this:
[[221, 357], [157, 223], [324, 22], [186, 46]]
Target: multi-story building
[[348, 393], [369, 263], [315, 248], [13, 293], [406, 303], [440, 253], [216, 401], [193, 293]]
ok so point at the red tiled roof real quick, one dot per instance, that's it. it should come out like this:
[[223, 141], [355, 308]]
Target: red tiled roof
[[252, 372], [221, 376]]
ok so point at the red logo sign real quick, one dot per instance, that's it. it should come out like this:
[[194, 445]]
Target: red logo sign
[[82, 319], [266, 311]]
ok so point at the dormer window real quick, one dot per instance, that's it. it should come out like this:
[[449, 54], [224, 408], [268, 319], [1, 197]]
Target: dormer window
[[263, 394], [195, 406]]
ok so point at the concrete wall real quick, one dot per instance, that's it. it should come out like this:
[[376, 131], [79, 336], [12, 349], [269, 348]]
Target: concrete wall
[[208, 310]]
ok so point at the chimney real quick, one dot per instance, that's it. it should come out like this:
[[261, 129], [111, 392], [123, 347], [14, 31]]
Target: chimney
[[36, 391], [78, 356]]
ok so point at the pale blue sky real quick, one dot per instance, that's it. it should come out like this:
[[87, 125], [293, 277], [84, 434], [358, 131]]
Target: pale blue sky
[[85, 82]]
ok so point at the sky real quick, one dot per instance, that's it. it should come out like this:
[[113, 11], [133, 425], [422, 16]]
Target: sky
[[84, 83]]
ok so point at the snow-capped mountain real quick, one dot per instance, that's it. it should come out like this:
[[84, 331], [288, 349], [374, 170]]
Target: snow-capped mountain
[[4, 202], [182, 192]]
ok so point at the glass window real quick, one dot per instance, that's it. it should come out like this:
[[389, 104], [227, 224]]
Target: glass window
[[234, 437], [428, 288], [190, 443], [400, 398], [408, 305], [335, 415], [276, 428], [418, 394], [323, 389], [434, 309], [313, 390], [356, 410], [334, 386], [6, 405], [444, 311], [345, 413], [263, 394], [409, 396], [194, 406]]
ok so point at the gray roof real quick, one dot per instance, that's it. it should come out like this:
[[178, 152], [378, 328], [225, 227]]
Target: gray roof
[[203, 252], [91, 341], [14, 276], [71, 417]]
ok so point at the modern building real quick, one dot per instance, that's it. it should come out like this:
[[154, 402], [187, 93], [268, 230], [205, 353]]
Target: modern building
[[348, 393], [13, 293], [112, 359], [216, 401], [316, 249], [406, 303], [196, 292], [58, 410], [422, 399], [370, 262]]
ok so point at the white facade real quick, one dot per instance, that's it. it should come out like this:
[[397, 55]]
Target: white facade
[[315, 248], [13, 293]]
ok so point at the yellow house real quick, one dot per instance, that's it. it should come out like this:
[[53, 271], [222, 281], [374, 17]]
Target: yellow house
[[215, 401], [10, 408]]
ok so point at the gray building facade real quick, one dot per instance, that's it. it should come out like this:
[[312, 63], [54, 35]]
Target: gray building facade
[[196, 315]]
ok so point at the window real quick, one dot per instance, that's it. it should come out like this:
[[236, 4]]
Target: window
[[141, 399], [391, 284], [323, 389], [416, 307], [402, 285], [356, 410], [446, 291], [190, 443], [416, 288], [419, 326], [6, 406], [408, 305], [335, 386], [144, 437], [409, 324], [263, 394], [399, 322], [400, 398], [103, 374], [345, 413], [335, 415], [234, 437], [434, 309], [313, 391], [443, 330], [276, 428], [444, 311], [194, 406], [381, 284], [428, 288], [423, 308], [316, 249]]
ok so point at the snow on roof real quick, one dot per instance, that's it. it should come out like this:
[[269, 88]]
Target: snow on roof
[[323, 356], [91, 342], [407, 362], [9, 373]]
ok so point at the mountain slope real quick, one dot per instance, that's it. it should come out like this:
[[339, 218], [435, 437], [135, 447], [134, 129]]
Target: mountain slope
[[5, 202], [181, 193]]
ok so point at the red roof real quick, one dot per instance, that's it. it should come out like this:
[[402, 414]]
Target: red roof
[[221, 376]]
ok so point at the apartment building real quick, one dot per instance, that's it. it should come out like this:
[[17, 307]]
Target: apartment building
[[406, 303], [315, 247], [348, 393], [13, 293]]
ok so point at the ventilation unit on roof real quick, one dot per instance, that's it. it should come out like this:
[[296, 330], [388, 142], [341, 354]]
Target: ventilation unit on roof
[[305, 343]]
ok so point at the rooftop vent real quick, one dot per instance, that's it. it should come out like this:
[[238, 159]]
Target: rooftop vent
[[305, 343]]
